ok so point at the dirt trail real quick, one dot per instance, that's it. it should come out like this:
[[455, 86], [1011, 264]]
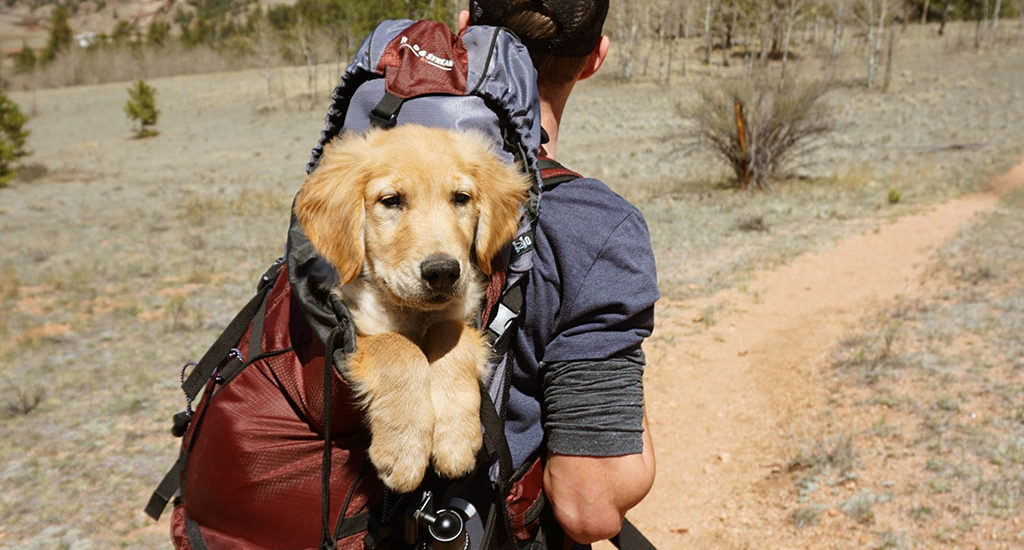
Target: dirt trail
[[722, 401]]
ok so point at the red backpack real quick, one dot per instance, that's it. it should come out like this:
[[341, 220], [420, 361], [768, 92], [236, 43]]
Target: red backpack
[[274, 454]]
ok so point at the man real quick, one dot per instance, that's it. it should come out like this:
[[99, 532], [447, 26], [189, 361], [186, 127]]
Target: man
[[577, 379]]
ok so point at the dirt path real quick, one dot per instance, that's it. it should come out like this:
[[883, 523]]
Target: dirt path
[[721, 401]]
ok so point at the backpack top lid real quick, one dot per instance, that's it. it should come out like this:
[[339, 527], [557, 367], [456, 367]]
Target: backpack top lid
[[481, 80]]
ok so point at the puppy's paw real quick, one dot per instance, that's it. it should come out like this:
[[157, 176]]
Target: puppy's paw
[[400, 462], [456, 444]]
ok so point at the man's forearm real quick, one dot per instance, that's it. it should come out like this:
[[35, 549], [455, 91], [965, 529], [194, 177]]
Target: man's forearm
[[590, 495]]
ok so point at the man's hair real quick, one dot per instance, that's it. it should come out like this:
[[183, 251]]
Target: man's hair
[[559, 34]]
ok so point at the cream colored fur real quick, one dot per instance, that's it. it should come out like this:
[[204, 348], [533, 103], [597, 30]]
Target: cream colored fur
[[376, 207]]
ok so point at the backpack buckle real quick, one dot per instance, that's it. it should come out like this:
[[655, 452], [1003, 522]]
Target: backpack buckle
[[385, 114]]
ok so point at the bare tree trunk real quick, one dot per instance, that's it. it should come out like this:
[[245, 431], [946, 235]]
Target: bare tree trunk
[[790, 16], [924, 12], [627, 24], [764, 17], [888, 60], [837, 28], [650, 42], [707, 34], [263, 38], [871, 43], [945, 16], [977, 27], [686, 41], [306, 47], [995, 14], [1020, 20]]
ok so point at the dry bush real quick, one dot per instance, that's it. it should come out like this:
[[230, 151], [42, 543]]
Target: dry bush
[[762, 127]]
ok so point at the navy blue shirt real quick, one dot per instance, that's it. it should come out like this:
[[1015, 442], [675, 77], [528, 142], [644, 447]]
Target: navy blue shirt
[[588, 306]]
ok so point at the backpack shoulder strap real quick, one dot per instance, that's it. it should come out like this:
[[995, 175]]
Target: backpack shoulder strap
[[553, 174], [201, 373]]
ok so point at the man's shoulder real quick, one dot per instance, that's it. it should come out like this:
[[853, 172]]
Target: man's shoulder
[[588, 202]]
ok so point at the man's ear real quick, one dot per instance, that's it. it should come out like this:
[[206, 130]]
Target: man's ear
[[330, 205], [596, 58], [463, 20]]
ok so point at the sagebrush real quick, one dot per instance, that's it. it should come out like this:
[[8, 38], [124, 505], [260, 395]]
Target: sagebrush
[[764, 127]]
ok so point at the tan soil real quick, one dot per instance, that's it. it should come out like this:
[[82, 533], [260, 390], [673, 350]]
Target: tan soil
[[723, 401]]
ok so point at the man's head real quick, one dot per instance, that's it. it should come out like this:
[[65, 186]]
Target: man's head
[[561, 35]]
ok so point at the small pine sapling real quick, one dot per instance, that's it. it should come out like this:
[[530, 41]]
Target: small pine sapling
[[12, 138], [141, 108]]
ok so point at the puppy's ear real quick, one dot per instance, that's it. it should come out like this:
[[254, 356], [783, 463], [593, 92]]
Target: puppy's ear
[[330, 205], [502, 190]]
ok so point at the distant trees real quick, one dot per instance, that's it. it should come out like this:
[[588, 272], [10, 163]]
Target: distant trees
[[12, 137], [25, 60], [60, 34]]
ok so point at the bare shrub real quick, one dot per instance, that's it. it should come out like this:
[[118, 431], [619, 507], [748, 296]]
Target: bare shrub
[[762, 127], [19, 400]]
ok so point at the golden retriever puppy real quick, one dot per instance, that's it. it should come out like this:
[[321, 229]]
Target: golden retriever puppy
[[411, 218]]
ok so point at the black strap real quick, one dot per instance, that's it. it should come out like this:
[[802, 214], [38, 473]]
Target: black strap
[[326, 541], [630, 538], [195, 537], [256, 334], [166, 490], [494, 439], [202, 372], [229, 338], [352, 525]]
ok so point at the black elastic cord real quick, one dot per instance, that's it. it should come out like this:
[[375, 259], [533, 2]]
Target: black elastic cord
[[326, 542]]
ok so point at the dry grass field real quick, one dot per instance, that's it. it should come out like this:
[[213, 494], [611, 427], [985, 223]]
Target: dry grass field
[[122, 259]]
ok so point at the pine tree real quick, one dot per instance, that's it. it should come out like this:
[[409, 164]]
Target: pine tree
[[141, 108], [60, 34], [12, 137], [25, 60]]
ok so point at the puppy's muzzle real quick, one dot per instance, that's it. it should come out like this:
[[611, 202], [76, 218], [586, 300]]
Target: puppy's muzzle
[[440, 272]]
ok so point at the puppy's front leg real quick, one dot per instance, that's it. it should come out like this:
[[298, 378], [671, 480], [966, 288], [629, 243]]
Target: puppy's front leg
[[457, 361], [391, 374]]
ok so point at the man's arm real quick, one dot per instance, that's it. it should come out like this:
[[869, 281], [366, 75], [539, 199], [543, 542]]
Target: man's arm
[[590, 495]]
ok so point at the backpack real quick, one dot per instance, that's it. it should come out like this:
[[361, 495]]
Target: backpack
[[276, 425]]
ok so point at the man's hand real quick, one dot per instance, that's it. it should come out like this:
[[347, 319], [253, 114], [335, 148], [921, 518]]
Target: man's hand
[[590, 495]]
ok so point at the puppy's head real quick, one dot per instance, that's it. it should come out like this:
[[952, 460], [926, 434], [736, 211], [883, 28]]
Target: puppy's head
[[416, 210]]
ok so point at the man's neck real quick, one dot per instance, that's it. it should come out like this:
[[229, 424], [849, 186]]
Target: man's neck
[[552, 105]]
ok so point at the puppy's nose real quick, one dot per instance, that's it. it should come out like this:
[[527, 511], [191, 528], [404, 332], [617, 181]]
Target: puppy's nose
[[440, 271]]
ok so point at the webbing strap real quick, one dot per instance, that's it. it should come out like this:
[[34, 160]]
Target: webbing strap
[[166, 490], [630, 538], [494, 439], [229, 338], [195, 537], [511, 302], [202, 372], [553, 174]]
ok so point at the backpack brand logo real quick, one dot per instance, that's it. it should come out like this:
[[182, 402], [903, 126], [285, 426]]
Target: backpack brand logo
[[439, 62]]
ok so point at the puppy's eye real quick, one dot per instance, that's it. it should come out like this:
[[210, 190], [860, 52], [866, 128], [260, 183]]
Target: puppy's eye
[[391, 201], [461, 197]]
